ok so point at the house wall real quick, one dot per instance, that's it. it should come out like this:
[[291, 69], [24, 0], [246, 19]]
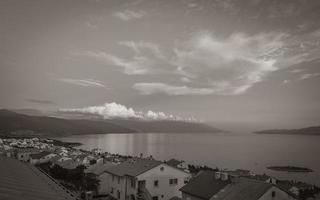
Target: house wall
[[279, 195], [123, 186], [164, 190], [23, 156], [103, 189]]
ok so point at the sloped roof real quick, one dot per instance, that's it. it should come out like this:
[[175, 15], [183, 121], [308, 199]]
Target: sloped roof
[[68, 164], [244, 189], [204, 185], [39, 155], [24, 181], [133, 167], [99, 168]]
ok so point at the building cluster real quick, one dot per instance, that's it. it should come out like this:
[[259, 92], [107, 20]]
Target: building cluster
[[144, 178]]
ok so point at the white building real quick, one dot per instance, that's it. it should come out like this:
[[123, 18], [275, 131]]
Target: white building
[[144, 178]]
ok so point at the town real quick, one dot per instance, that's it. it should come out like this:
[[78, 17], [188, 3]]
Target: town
[[41, 168]]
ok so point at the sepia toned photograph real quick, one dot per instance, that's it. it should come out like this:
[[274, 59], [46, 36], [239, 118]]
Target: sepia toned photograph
[[160, 100]]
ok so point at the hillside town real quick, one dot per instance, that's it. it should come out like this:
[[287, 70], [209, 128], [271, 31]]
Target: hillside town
[[66, 172]]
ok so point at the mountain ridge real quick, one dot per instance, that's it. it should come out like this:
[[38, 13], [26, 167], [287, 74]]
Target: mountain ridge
[[12, 123], [313, 130]]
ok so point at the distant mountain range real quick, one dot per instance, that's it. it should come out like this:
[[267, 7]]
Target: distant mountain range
[[13, 123], [315, 130]]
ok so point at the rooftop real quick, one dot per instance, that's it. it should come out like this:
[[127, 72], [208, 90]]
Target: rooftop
[[133, 167], [244, 189], [24, 181], [204, 185], [39, 155], [99, 168]]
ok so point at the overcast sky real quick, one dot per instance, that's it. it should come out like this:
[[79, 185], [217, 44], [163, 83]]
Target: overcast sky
[[253, 62]]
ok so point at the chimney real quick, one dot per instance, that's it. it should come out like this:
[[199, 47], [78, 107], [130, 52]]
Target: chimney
[[89, 195], [217, 175], [224, 176]]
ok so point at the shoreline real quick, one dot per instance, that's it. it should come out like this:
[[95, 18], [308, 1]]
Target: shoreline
[[290, 169]]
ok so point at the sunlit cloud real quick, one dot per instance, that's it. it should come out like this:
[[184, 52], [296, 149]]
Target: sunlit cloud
[[114, 110]]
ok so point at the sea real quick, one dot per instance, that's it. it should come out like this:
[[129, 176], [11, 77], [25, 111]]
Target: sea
[[254, 152]]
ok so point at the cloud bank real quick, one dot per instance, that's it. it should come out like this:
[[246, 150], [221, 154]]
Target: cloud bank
[[114, 110]]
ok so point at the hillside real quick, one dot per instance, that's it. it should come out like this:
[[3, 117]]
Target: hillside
[[18, 123], [12, 123], [166, 126], [315, 130]]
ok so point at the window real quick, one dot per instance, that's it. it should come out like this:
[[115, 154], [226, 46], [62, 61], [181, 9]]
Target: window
[[156, 183], [273, 194], [118, 194], [112, 178], [155, 198], [173, 181], [161, 169], [133, 183], [118, 179]]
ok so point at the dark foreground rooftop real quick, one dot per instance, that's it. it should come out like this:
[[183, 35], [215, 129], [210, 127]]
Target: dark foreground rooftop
[[23, 181]]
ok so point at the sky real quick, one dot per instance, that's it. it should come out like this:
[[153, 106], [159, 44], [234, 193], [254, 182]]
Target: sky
[[250, 63]]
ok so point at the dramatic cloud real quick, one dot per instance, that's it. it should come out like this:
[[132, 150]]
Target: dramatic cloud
[[82, 82], [151, 88], [115, 110], [128, 15], [146, 57], [41, 101], [206, 64], [220, 66]]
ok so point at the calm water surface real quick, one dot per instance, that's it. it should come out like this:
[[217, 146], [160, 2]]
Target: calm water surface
[[232, 151]]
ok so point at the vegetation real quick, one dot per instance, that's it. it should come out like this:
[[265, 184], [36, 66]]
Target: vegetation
[[194, 169], [74, 179], [309, 192]]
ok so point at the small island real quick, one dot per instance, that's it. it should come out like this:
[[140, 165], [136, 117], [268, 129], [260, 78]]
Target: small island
[[290, 169]]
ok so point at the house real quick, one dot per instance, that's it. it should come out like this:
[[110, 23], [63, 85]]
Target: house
[[41, 157], [210, 185], [23, 154], [99, 169], [204, 186], [24, 181], [177, 163], [149, 179]]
